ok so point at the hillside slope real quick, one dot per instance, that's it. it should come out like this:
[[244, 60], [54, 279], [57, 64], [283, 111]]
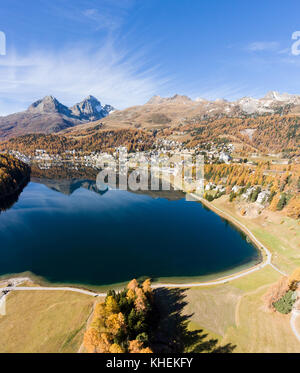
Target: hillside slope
[[104, 140], [272, 126]]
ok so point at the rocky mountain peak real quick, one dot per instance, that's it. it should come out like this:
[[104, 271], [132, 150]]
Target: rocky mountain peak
[[157, 100], [90, 109], [181, 98], [221, 101], [48, 115], [48, 104], [273, 95], [282, 97]]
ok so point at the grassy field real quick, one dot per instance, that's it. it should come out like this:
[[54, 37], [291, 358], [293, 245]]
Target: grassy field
[[260, 331], [235, 313], [213, 307], [44, 321], [280, 234]]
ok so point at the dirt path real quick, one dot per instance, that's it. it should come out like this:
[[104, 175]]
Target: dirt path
[[237, 308], [88, 322], [49, 288]]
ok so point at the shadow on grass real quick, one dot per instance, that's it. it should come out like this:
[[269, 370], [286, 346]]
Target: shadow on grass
[[172, 335]]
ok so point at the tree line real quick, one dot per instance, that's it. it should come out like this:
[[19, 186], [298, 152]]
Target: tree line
[[282, 181], [274, 133], [104, 140]]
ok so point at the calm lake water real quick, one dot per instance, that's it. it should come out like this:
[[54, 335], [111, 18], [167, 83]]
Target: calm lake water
[[80, 236]]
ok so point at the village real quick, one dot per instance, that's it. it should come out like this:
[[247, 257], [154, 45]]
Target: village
[[170, 161]]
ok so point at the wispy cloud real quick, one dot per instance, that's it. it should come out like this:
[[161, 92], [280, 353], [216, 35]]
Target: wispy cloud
[[259, 46], [224, 90], [118, 77], [108, 15], [103, 19]]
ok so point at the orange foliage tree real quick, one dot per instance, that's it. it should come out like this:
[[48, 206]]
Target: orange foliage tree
[[122, 316]]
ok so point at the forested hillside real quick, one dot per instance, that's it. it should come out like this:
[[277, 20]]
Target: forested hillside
[[85, 142], [282, 183], [268, 133], [13, 175]]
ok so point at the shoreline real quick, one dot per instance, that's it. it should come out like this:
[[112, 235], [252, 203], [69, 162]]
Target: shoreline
[[261, 247], [159, 281]]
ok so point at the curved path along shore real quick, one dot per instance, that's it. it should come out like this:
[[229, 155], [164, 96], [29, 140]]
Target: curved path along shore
[[245, 229], [232, 277], [48, 288]]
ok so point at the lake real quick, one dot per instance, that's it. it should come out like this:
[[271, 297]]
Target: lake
[[66, 232]]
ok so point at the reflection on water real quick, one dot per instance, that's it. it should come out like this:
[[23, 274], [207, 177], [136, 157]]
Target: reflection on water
[[81, 236], [8, 201], [67, 180]]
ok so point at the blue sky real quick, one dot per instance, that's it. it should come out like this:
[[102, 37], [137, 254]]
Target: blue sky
[[125, 51]]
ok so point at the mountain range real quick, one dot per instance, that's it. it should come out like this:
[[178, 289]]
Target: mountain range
[[48, 115], [270, 123], [161, 112]]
